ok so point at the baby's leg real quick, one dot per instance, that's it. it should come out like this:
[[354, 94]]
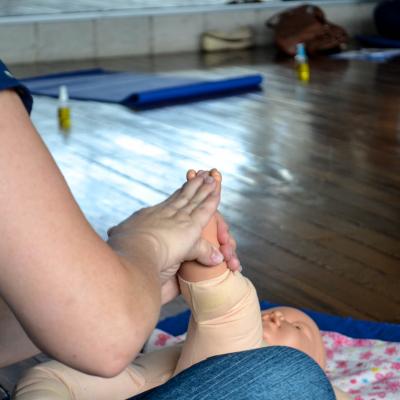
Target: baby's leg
[[192, 271], [55, 381]]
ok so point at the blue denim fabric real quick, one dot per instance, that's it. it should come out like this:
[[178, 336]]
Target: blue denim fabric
[[269, 373]]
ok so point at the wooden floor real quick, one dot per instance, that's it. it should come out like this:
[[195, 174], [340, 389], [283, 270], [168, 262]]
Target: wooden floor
[[311, 173]]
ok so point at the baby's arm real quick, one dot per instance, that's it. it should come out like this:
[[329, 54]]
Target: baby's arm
[[55, 381]]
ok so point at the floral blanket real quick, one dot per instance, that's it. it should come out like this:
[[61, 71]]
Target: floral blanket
[[365, 369]]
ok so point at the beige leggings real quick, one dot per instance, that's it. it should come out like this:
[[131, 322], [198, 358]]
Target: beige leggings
[[225, 318]]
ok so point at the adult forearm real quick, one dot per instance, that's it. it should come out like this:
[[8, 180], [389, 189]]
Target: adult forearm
[[15, 345], [76, 299], [98, 331]]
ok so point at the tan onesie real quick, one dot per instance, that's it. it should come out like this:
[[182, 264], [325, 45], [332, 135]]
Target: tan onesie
[[225, 318], [55, 381]]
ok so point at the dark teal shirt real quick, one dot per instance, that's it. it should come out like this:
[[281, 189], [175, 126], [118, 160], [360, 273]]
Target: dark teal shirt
[[8, 81]]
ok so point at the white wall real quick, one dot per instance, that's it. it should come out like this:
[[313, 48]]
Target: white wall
[[90, 35]]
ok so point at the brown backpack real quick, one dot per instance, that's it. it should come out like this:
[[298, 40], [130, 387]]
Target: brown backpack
[[306, 24]]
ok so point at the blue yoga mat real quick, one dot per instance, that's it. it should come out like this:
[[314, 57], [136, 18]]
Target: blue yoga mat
[[178, 324], [138, 90]]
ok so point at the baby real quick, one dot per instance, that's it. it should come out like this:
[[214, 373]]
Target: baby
[[226, 314], [225, 318]]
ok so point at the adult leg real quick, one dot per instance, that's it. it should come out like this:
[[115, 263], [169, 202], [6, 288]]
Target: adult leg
[[269, 373]]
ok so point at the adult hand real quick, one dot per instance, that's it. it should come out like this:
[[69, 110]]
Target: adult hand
[[169, 233], [227, 244], [170, 289]]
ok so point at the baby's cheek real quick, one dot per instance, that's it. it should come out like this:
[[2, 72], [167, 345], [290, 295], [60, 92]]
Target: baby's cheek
[[266, 333], [289, 338]]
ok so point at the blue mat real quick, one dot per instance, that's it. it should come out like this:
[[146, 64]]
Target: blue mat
[[138, 90], [177, 325]]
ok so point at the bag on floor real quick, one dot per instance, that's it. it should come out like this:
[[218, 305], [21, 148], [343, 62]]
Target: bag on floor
[[306, 24]]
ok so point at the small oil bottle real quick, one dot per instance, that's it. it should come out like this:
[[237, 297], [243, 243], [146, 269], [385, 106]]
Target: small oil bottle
[[303, 69], [64, 112]]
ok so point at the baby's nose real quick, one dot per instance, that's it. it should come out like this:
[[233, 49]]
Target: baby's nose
[[276, 317]]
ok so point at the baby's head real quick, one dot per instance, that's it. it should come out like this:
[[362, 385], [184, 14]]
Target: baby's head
[[287, 326]]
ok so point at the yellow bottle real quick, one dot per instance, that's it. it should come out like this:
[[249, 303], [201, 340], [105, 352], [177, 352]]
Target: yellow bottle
[[303, 69], [64, 112]]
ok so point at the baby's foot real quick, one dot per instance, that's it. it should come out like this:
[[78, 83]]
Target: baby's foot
[[210, 231]]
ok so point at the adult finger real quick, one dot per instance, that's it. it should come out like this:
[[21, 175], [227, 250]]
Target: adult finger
[[227, 244], [190, 194], [230, 258], [223, 234], [205, 253], [201, 214], [201, 195]]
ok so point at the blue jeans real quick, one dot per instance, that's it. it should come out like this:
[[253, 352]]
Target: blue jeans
[[269, 373]]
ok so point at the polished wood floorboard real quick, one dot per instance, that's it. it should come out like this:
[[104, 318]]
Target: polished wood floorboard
[[311, 173]]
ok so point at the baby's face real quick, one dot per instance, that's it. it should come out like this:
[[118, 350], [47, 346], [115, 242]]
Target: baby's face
[[286, 326]]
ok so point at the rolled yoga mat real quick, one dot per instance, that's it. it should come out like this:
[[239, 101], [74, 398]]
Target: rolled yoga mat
[[138, 90]]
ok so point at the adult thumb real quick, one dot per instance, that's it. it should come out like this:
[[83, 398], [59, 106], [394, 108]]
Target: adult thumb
[[206, 253]]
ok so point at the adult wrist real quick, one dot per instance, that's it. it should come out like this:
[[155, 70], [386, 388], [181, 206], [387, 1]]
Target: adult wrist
[[138, 251]]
